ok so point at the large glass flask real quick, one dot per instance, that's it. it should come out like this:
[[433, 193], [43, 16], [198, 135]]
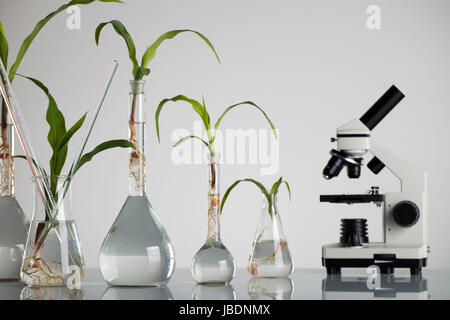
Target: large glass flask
[[53, 251], [137, 250], [13, 222], [213, 263], [270, 256]]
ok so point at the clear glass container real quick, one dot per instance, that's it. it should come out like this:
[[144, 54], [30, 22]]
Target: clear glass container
[[270, 256], [13, 222], [53, 251], [213, 263], [137, 250], [270, 288]]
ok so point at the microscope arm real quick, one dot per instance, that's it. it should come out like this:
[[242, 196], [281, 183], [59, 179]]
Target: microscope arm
[[412, 178]]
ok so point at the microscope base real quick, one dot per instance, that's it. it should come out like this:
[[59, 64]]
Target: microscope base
[[387, 258]]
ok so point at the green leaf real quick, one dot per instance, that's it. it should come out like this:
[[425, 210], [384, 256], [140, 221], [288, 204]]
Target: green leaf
[[197, 106], [54, 117], [288, 189], [59, 157], [122, 31], [151, 51], [190, 137], [120, 143], [141, 72], [68, 135], [247, 103], [3, 46], [28, 40], [276, 186], [257, 183], [57, 124]]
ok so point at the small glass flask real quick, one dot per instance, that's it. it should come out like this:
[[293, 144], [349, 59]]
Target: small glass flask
[[13, 222], [213, 263], [53, 251], [137, 250], [270, 256]]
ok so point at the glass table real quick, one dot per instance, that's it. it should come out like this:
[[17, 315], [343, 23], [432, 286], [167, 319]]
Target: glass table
[[309, 284]]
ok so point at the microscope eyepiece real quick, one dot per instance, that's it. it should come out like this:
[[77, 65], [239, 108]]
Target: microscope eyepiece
[[382, 107]]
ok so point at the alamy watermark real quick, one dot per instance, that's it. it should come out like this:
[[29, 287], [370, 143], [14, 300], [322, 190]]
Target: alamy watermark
[[373, 280], [374, 19], [237, 146], [73, 22]]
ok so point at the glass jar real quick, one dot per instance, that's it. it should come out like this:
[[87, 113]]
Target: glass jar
[[213, 263], [53, 251], [137, 250]]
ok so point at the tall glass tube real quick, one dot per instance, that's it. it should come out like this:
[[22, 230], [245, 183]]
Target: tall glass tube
[[137, 250]]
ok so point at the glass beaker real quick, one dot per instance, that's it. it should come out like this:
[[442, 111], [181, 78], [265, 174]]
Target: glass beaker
[[213, 263], [13, 222], [137, 250], [52, 254], [270, 256]]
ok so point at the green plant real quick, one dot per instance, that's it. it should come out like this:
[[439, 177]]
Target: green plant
[[139, 71], [20, 55], [200, 109], [58, 138], [270, 195]]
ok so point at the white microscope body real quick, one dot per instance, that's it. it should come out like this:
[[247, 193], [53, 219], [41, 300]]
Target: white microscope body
[[404, 238]]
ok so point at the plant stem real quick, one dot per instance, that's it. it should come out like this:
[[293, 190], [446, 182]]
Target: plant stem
[[131, 123], [213, 176]]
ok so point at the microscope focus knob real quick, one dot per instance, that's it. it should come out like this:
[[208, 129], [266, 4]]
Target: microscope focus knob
[[406, 213]]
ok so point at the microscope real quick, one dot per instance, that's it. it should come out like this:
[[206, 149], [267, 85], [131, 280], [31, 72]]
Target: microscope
[[404, 216]]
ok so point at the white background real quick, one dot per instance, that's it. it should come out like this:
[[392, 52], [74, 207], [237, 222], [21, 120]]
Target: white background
[[312, 65]]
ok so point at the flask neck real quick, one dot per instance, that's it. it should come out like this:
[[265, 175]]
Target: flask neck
[[137, 135], [6, 161], [214, 198]]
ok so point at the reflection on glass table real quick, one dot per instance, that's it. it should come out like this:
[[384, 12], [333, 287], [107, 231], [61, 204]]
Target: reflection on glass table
[[270, 288], [51, 293], [213, 292], [10, 289], [309, 284], [382, 287], [137, 293]]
